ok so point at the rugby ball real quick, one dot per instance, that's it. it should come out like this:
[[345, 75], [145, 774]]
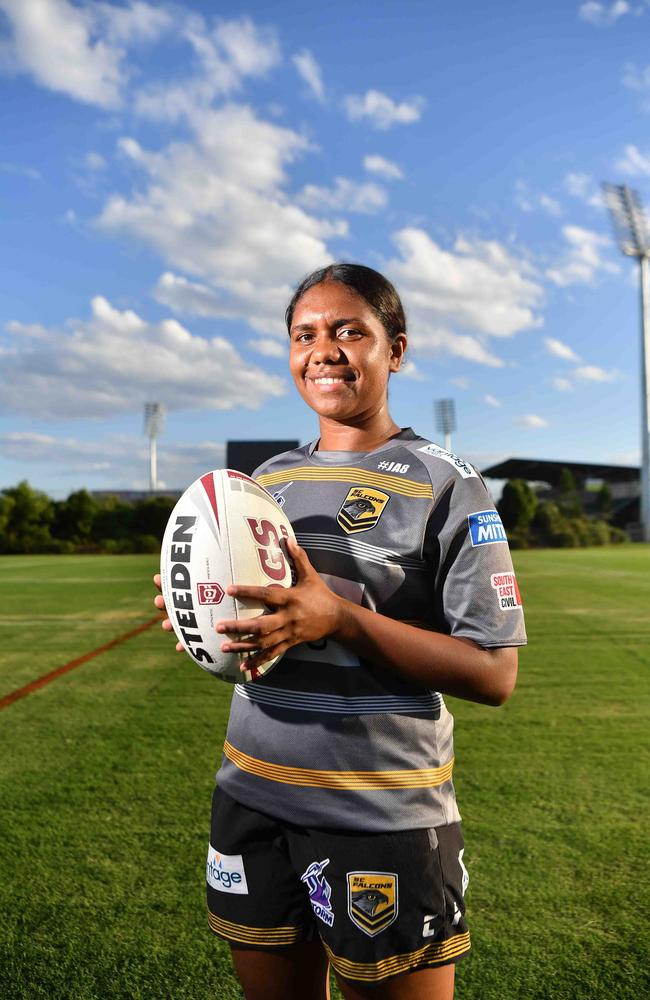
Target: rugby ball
[[225, 529]]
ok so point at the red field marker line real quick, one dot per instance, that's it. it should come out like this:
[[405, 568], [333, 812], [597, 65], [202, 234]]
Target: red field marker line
[[40, 682]]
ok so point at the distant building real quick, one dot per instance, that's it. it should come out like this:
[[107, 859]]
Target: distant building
[[623, 482], [244, 456]]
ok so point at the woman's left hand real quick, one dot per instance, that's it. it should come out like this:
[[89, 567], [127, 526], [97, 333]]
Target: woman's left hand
[[306, 612]]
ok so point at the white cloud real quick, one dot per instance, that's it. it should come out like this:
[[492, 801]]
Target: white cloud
[[95, 161], [634, 162], [550, 205], [457, 299], [603, 14], [345, 196], [112, 361], [491, 400], [636, 78], [460, 381], [137, 21], [531, 421], [54, 41], [185, 296], [529, 201], [310, 72], [268, 347], [592, 373], [582, 261], [560, 350], [382, 111], [583, 186], [20, 170], [226, 54], [410, 370], [376, 164], [124, 461], [562, 384], [216, 212]]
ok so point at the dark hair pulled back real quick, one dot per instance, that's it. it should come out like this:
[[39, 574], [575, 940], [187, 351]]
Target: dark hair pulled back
[[366, 282]]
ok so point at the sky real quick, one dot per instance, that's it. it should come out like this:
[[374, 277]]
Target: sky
[[170, 171]]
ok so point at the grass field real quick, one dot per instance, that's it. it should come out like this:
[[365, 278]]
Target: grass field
[[106, 775]]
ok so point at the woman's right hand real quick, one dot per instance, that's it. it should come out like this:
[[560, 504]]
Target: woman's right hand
[[159, 601]]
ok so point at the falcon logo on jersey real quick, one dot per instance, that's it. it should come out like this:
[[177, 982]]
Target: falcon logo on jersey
[[372, 900], [361, 509], [485, 527]]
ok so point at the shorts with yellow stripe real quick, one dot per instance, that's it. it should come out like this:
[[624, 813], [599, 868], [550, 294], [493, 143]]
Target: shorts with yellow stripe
[[383, 904]]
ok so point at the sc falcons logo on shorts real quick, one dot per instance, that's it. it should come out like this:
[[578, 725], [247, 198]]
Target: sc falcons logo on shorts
[[372, 900], [361, 509]]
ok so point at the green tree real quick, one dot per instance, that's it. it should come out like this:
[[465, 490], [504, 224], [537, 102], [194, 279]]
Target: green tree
[[569, 497], [74, 517], [27, 519], [605, 502], [517, 505]]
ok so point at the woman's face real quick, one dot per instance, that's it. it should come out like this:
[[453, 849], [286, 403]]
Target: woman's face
[[340, 355]]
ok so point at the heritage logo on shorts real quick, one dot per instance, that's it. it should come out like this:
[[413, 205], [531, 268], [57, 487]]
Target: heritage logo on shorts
[[372, 900], [507, 590], [485, 527], [361, 509], [225, 872], [319, 891], [465, 469]]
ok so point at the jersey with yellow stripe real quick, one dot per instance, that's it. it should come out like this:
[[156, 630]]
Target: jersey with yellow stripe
[[327, 739]]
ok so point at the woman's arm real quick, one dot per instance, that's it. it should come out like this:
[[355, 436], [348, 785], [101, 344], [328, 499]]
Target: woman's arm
[[310, 611]]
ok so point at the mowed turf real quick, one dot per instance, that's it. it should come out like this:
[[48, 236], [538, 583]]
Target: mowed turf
[[106, 776]]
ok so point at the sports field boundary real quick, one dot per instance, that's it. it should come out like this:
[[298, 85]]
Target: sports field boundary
[[40, 682]]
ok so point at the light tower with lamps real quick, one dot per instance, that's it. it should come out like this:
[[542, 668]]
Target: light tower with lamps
[[630, 226], [445, 410], [154, 416]]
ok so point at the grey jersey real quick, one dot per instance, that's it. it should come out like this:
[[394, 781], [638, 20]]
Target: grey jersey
[[327, 739]]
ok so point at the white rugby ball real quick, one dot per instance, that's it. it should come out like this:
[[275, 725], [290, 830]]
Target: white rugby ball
[[225, 529]]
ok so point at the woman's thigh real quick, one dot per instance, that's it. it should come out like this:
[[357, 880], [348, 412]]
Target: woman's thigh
[[425, 984], [299, 972]]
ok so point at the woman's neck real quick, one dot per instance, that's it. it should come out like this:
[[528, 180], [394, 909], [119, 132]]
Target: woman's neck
[[346, 437]]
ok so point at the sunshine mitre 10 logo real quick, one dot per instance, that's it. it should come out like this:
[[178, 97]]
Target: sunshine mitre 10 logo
[[210, 593]]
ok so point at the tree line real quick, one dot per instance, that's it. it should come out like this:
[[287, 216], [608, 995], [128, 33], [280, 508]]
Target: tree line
[[533, 522], [31, 522]]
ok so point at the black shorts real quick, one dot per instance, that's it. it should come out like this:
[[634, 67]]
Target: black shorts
[[382, 903]]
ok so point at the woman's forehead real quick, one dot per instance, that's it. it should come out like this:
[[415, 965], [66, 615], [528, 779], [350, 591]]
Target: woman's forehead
[[328, 299]]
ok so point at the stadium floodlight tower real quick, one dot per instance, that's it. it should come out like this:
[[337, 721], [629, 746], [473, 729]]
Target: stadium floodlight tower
[[630, 226], [154, 416], [445, 419]]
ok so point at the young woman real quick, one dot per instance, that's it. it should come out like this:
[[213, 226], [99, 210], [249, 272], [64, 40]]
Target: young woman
[[336, 837]]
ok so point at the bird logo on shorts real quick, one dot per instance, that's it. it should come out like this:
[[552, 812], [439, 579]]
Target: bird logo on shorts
[[361, 509], [372, 900]]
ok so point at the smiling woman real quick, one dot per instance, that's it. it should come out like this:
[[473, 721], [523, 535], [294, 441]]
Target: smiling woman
[[336, 838]]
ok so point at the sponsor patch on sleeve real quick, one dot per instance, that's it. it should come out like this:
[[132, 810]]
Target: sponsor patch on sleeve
[[485, 527], [225, 872], [507, 590], [459, 464]]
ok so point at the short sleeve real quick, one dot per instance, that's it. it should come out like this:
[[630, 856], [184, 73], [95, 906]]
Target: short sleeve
[[476, 590]]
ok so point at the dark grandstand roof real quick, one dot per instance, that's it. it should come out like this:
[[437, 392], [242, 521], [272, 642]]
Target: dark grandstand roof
[[541, 471]]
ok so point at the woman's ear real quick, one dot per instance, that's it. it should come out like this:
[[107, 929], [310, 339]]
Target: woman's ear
[[397, 352]]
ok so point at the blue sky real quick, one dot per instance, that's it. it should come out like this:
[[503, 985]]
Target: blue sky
[[169, 171]]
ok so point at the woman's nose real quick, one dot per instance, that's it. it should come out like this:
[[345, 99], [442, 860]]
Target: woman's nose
[[326, 348]]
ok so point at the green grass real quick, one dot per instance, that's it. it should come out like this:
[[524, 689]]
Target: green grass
[[106, 775]]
